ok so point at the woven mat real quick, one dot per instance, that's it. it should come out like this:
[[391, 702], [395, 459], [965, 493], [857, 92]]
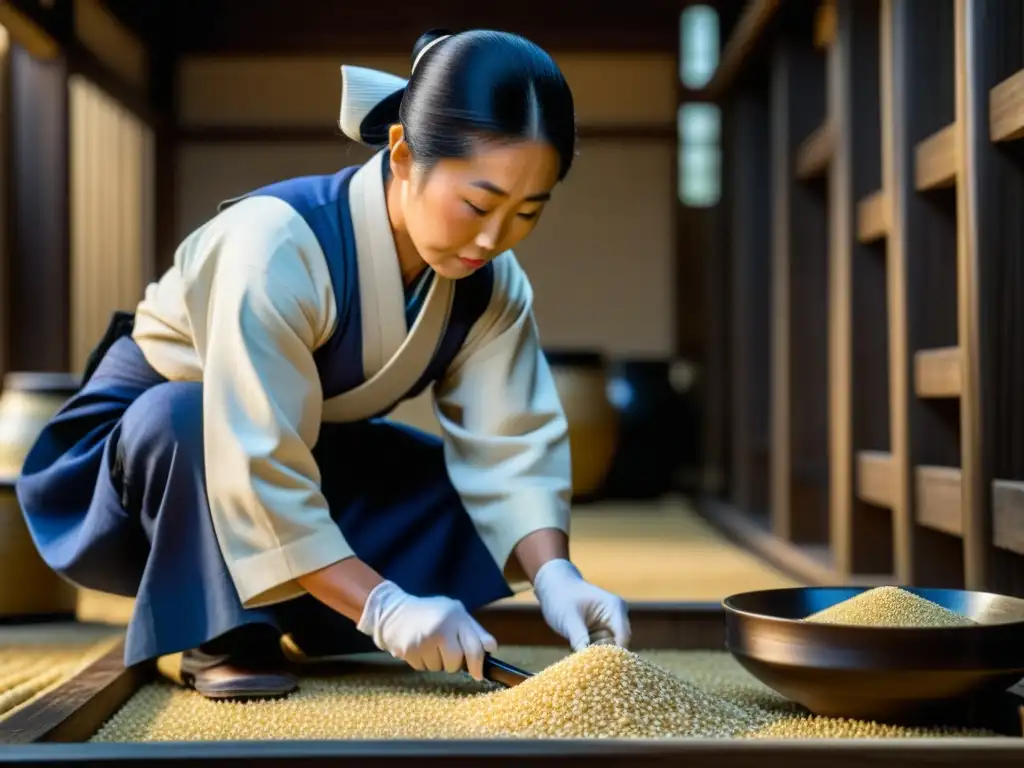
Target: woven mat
[[384, 699], [36, 659]]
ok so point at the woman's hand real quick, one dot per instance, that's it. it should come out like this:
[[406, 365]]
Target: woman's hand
[[432, 633], [576, 609]]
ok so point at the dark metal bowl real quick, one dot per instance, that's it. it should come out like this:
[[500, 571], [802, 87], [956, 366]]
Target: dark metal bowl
[[884, 674]]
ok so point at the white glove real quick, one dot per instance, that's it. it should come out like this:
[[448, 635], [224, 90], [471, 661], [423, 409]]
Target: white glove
[[432, 633], [576, 609]]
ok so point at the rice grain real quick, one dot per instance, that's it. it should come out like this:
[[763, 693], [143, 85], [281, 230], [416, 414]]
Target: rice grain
[[600, 692], [890, 607]]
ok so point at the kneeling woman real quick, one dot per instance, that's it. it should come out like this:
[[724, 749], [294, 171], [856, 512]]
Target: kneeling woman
[[226, 462]]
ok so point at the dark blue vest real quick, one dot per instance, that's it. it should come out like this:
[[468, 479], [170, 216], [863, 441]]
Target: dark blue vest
[[322, 201]]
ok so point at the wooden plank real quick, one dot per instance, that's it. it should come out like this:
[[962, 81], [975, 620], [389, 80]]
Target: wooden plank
[[1008, 515], [73, 710], [872, 217], [937, 372], [937, 752], [839, 86], [938, 499], [755, 20], [935, 162], [875, 479], [1006, 109], [980, 44], [815, 153]]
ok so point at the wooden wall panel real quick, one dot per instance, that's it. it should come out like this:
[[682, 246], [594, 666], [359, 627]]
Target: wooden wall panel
[[608, 89], [990, 168], [37, 311], [112, 215]]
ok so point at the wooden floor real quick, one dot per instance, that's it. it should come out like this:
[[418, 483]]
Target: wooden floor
[[641, 551]]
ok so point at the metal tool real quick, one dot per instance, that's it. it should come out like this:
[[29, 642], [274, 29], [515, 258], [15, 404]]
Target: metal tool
[[890, 674], [503, 673]]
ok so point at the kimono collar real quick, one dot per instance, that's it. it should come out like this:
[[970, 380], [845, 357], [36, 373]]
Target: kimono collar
[[394, 356]]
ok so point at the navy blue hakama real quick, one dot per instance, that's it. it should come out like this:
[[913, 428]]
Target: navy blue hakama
[[114, 495]]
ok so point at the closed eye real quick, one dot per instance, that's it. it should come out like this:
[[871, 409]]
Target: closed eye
[[477, 211], [532, 215]]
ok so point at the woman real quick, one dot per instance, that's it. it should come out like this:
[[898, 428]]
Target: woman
[[225, 461]]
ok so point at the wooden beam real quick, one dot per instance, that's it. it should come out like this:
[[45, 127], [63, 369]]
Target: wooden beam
[[27, 31], [815, 153], [872, 221], [938, 499], [1006, 109], [936, 161], [896, 491], [825, 25], [937, 372], [748, 32], [328, 27], [839, 100], [875, 480]]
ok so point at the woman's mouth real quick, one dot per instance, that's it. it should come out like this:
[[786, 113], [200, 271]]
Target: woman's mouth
[[472, 263]]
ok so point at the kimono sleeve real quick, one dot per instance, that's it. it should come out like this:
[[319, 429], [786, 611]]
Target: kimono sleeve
[[506, 435], [260, 303]]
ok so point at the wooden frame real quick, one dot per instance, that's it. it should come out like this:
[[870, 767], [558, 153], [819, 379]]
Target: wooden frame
[[51, 729], [924, 179]]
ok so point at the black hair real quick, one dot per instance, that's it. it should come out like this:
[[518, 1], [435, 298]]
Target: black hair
[[476, 85]]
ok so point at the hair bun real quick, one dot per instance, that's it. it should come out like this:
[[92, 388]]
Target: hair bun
[[425, 41], [370, 100]]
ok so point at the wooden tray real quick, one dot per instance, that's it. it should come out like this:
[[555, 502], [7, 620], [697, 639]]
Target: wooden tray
[[55, 728]]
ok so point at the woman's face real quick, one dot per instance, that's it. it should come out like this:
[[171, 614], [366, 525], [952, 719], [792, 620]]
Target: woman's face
[[463, 212]]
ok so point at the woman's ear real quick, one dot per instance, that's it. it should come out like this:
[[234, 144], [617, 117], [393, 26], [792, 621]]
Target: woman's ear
[[401, 157]]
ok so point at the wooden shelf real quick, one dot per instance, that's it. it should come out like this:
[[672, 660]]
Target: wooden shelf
[[939, 504], [872, 217], [935, 160], [1008, 515], [1006, 109], [874, 478], [815, 153], [937, 372]]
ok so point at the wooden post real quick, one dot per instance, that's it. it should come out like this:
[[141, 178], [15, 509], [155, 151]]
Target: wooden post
[[38, 210]]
